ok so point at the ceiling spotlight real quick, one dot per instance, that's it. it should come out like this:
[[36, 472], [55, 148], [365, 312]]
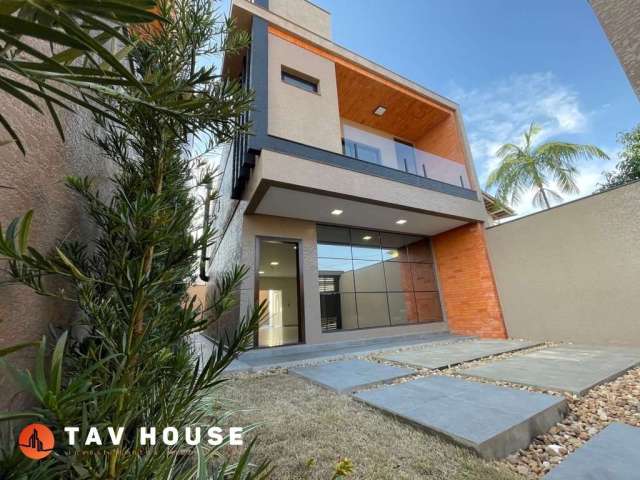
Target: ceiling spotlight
[[261, 272], [274, 264], [379, 111], [336, 212], [402, 221], [367, 237]]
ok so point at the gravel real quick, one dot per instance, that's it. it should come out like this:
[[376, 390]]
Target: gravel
[[616, 401]]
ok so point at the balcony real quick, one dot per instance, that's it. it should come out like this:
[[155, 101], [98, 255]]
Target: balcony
[[366, 144]]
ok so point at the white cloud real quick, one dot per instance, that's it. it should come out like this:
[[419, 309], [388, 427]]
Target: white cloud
[[502, 111]]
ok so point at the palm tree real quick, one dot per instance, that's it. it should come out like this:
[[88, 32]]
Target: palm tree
[[527, 167]]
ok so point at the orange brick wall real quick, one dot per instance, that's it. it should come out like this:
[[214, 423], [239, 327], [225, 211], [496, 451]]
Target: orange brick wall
[[444, 140], [467, 284]]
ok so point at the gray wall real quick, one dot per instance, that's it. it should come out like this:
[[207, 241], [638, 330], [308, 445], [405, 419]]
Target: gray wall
[[572, 273]]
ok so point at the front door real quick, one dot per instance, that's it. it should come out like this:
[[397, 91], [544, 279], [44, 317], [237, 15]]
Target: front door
[[278, 286]]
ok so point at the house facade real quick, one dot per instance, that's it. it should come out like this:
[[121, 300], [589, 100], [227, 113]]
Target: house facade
[[354, 202]]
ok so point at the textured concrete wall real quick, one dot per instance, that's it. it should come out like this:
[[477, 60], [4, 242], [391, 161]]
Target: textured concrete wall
[[304, 14], [314, 175], [621, 22], [293, 112], [467, 284], [572, 272], [36, 181]]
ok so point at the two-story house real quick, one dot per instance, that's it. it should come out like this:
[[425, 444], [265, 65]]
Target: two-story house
[[354, 202]]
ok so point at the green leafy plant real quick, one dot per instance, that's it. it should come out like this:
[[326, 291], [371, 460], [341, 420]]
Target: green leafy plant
[[344, 468], [628, 168], [129, 362], [58, 51], [526, 166]]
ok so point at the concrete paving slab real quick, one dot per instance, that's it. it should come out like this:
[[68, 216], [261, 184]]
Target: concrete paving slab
[[612, 455], [443, 356], [493, 421], [296, 355], [349, 375], [568, 368]]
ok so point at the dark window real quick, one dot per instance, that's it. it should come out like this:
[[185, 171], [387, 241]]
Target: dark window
[[300, 80], [368, 279], [361, 151]]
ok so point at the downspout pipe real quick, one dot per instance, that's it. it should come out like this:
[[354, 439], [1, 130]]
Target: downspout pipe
[[205, 227]]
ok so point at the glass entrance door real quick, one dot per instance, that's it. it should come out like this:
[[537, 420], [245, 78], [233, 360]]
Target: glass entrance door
[[278, 287]]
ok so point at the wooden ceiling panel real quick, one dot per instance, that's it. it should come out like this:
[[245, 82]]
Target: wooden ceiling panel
[[406, 117]]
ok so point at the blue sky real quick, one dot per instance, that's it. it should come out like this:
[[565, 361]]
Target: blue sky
[[506, 63]]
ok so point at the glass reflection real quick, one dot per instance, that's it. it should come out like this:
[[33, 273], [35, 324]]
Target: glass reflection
[[373, 279]]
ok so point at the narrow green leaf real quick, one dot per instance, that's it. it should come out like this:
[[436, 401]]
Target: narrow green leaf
[[104, 54], [36, 91], [15, 348], [72, 54], [72, 268], [202, 472], [10, 234], [7, 416], [56, 364], [12, 133], [19, 26], [40, 379], [23, 232], [124, 12], [54, 116], [47, 62], [16, 93]]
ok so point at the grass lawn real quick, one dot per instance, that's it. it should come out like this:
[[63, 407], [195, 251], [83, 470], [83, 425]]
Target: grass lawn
[[306, 430]]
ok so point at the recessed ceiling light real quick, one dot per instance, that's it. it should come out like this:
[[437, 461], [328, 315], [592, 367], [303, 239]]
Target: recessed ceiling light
[[336, 212], [402, 221], [367, 237], [261, 272], [379, 111], [274, 264]]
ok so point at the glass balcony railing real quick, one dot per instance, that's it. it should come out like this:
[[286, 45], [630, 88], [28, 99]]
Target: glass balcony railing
[[372, 147]]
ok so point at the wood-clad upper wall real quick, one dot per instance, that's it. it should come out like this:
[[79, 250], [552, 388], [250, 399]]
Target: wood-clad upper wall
[[432, 127], [406, 116]]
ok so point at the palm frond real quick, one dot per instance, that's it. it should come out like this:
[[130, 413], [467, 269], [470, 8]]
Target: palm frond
[[569, 153], [507, 150], [529, 135], [81, 29], [523, 168]]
